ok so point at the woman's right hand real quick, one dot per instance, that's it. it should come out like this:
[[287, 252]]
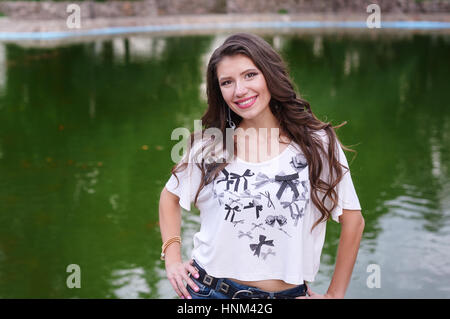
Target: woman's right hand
[[177, 272]]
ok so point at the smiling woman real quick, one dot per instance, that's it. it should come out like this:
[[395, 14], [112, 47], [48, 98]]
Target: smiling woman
[[242, 90], [262, 222]]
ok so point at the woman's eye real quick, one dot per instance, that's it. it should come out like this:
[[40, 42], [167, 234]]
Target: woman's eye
[[225, 83], [252, 74]]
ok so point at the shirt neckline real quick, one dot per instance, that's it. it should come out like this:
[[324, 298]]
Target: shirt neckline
[[238, 159]]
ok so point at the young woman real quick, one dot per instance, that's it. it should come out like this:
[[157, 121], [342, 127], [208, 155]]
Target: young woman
[[263, 219]]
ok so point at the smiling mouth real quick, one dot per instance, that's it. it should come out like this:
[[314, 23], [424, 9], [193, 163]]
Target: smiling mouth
[[246, 103]]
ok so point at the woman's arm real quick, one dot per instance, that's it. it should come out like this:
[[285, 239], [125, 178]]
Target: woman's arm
[[352, 227], [170, 226], [170, 223]]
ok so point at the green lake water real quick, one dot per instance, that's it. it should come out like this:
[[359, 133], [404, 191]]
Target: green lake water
[[85, 151]]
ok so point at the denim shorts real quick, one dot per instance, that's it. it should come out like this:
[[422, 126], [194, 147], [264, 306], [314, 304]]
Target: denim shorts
[[206, 292]]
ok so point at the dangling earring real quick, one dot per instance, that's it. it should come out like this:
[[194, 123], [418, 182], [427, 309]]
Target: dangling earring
[[230, 122]]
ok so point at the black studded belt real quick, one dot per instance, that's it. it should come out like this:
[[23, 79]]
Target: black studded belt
[[227, 288]]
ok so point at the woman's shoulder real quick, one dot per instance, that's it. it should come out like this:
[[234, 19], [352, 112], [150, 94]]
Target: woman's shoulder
[[319, 135], [322, 135]]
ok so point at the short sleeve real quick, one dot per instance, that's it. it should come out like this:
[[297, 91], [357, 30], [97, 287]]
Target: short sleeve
[[187, 184], [347, 196]]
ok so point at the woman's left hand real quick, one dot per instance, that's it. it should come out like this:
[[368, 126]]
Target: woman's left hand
[[313, 295]]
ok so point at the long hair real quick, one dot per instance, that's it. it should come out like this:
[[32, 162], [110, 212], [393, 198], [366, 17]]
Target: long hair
[[294, 115]]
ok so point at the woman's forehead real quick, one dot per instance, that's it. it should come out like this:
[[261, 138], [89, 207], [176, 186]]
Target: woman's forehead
[[234, 65]]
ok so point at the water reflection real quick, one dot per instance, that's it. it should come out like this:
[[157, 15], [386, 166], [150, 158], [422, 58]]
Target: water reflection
[[278, 43], [351, 62], [85, 152], [85, 182], [411, 246], [136, 49], [129, 283], [318, 46], [2, 69]]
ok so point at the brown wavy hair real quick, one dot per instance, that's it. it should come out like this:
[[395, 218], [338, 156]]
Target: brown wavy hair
[[296, 119]]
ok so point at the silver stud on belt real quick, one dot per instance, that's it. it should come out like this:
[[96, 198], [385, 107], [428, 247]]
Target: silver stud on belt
[[207, 280], [224, 287]]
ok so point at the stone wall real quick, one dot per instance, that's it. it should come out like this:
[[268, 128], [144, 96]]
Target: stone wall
[[110, 9], [88, 9], [172, 7], [327, 6]]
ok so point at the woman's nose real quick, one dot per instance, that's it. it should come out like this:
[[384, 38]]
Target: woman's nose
[[241, 90]]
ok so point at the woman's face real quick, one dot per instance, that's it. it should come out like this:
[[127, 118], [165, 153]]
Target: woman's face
[[243, 87]]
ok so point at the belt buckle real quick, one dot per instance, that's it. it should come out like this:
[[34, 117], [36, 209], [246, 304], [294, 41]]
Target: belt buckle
[[239, 291], [208, 280], [224, 287]]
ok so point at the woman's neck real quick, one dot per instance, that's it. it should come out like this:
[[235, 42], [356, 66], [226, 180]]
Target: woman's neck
[[265, 127], [264, 121]]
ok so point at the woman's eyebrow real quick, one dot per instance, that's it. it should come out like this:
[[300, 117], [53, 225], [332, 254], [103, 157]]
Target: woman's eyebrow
[[227, 77]]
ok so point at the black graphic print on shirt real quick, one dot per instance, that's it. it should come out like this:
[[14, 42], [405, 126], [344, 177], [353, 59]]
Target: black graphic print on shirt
[[231, 209], [287, 180], [261, 208], [298, 162], [234, 178], [269, 201], [280, 219], [257, 207], [262, 241]]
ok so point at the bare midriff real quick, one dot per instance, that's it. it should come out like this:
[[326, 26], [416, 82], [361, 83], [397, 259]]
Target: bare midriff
[[271, 285]]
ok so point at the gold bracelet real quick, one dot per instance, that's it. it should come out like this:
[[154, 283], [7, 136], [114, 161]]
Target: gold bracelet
[[167, 243]]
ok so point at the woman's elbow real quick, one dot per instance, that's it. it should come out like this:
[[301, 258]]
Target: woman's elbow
[[362, 224], [353, 221]]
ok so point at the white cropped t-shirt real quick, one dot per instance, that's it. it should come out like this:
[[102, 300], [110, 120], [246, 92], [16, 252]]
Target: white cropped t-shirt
[[256, 218]]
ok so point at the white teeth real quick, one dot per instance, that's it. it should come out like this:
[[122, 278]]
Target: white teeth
[[247, 102]]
